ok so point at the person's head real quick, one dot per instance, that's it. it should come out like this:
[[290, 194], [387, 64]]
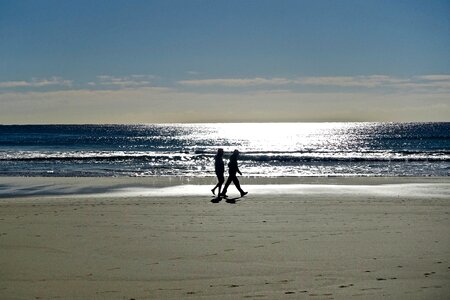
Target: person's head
[[236, 153], [220, 152]]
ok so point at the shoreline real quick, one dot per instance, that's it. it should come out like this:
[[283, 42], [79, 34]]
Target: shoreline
[[24, 187]]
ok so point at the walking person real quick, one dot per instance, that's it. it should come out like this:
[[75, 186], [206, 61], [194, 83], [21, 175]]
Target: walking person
[[219, 169], [232, 170]]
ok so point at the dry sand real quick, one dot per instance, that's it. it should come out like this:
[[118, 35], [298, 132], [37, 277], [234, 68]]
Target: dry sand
[[367, 238]]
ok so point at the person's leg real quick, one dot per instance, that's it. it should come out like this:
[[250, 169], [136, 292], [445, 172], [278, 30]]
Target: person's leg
[[217, 185], [237, 184], [224, 191], [214, 188], [221, 181]]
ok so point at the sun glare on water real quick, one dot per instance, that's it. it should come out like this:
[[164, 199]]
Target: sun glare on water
[[277, 136]]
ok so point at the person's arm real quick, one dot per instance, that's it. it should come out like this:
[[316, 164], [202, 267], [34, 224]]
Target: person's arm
[[239, 171]]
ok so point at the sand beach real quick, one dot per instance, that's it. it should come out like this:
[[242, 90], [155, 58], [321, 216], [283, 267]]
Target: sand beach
[[163, 238]]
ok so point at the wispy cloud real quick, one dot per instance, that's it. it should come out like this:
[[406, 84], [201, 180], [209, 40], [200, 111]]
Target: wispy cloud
[[36, 82], [123, 82], [422, 83], [368, 81], [351, 81], [236, 82], [429, 82], [435, 77]]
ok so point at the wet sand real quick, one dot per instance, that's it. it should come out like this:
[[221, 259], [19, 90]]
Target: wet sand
[[310, 238]]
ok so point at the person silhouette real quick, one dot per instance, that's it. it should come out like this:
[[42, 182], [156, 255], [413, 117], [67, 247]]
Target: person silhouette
[[232, 170], [219, 169]]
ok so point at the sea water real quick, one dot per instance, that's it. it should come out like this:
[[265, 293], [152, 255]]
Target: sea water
[[267, 149]]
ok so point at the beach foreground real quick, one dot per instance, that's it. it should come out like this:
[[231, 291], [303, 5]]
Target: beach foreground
[[127, 238]]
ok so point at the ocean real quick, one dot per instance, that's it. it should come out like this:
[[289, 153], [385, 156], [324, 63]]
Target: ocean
[[267, 149]]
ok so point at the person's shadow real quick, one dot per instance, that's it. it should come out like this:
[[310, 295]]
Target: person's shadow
[[227, 200], [216, 200]]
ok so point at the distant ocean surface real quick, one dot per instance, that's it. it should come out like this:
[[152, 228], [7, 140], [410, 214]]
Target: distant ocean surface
[[267, 149]]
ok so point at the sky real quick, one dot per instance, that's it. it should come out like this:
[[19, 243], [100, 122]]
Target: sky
[[224, 61]]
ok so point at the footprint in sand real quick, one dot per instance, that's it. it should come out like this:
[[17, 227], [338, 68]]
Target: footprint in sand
[[212, 254], [107, 292], [370, 289], [285, 281], [176, 258]]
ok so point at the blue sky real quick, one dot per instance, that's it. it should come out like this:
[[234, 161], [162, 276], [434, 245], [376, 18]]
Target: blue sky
[[186, 60]]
